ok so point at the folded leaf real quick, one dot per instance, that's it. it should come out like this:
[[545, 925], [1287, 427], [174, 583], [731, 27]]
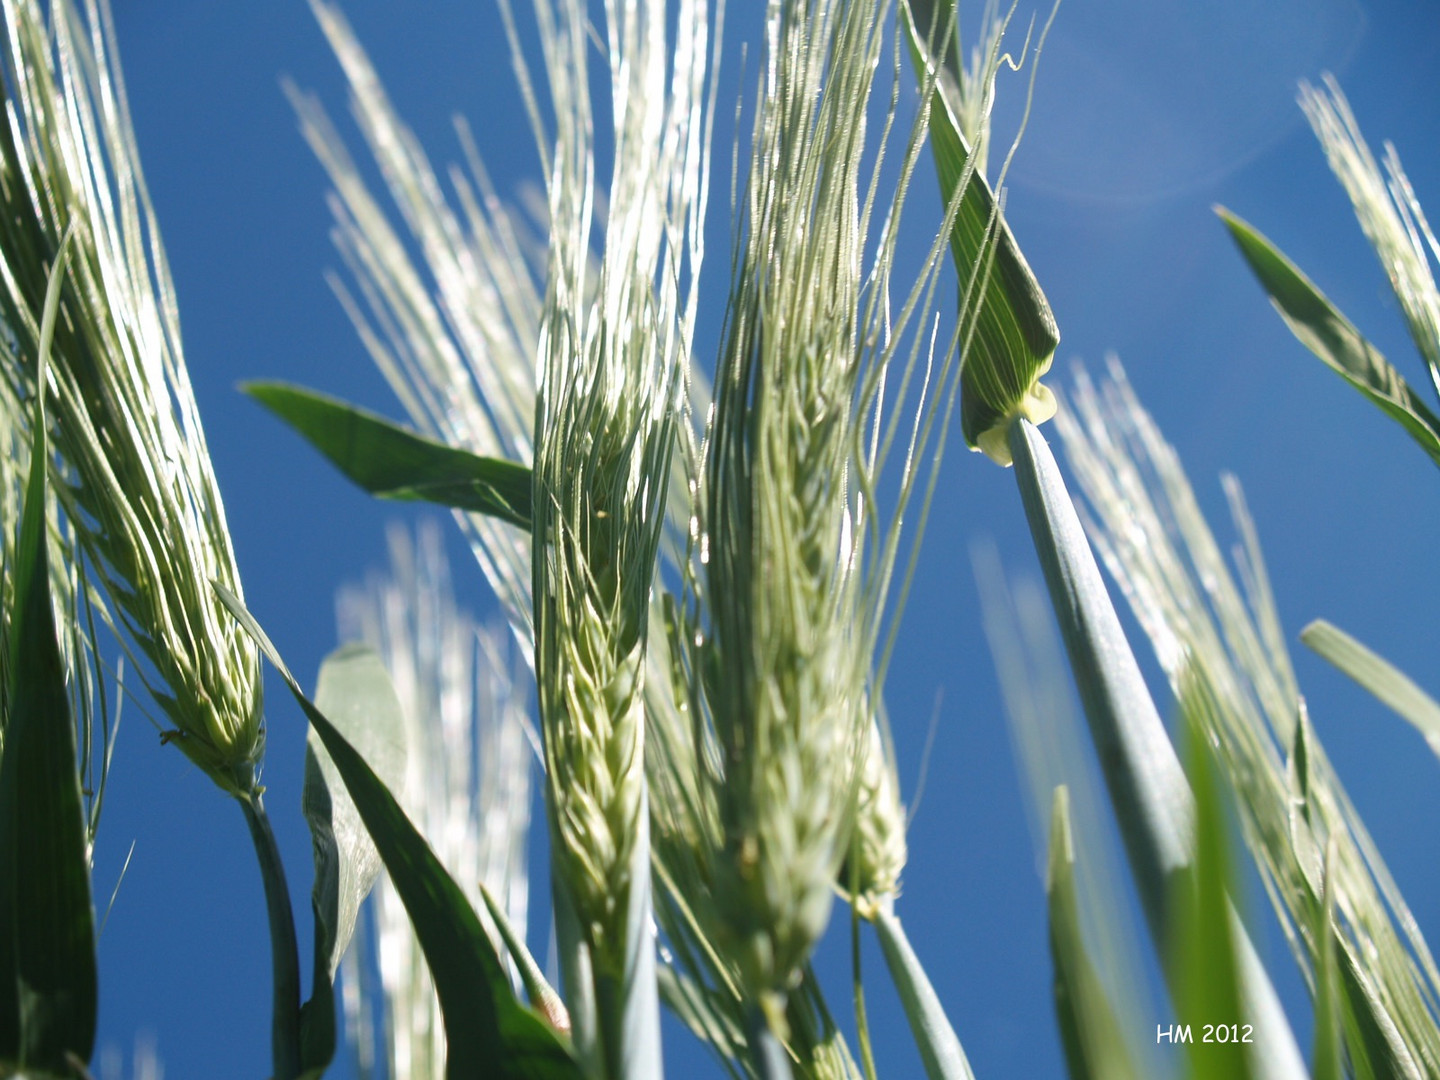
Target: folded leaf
[[1332, 337], [355, 692], [1011, 331], [393, 462], [490, 1035]]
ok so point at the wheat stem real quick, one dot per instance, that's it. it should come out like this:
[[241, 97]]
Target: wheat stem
[[935, 1038], [767, 1052], [1147, 786], [284, 951]]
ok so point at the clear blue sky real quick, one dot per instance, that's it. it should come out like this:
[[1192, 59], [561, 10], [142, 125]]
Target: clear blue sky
[[1146, 113]]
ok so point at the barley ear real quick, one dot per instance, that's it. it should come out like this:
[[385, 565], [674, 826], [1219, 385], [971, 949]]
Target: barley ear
[[141, 490]]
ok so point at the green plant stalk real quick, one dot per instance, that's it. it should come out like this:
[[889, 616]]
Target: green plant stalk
[[610, 1012], [576, 976], [1146, 784], [627, 1003], [862, 1019], [284, 951], [934, 1036], [1148, 789], [767, 1052]]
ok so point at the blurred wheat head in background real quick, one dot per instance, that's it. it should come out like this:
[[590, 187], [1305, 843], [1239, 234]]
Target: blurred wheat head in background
[[467, 785]]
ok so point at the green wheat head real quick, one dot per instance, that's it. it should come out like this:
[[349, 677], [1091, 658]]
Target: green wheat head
[[138, 484], [789, 697]]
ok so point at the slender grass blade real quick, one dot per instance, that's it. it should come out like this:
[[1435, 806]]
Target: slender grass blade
[[542, 995], [1327, 1062], [1323, 330], [48, 979], [393, 462], [1205, 982], [1089, 1030], [1376, 674]]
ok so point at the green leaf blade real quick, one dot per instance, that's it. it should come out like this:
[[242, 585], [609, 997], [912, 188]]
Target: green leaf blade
[[392, 462], [45, 904], [49, 984], [1012, 330], [542, 995], [490, 1035], [1328, 1059], [1376, 674], [1205, 975], [1322, 329], [1090, 1031]]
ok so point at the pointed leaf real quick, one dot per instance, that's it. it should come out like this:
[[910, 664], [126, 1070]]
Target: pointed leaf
[[542, 995], [1369, 1032], [1376, 674], [1332, 337], [489, 1034], [1206, 973], [393, 462], [1328, 1058], [1014, 331], [1089, 1030], [48, 980], [1375, 1046]]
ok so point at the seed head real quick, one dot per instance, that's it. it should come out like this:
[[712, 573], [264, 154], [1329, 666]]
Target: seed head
[[139, 487]]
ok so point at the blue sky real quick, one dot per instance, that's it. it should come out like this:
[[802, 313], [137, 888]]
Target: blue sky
[[1145, 114]]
